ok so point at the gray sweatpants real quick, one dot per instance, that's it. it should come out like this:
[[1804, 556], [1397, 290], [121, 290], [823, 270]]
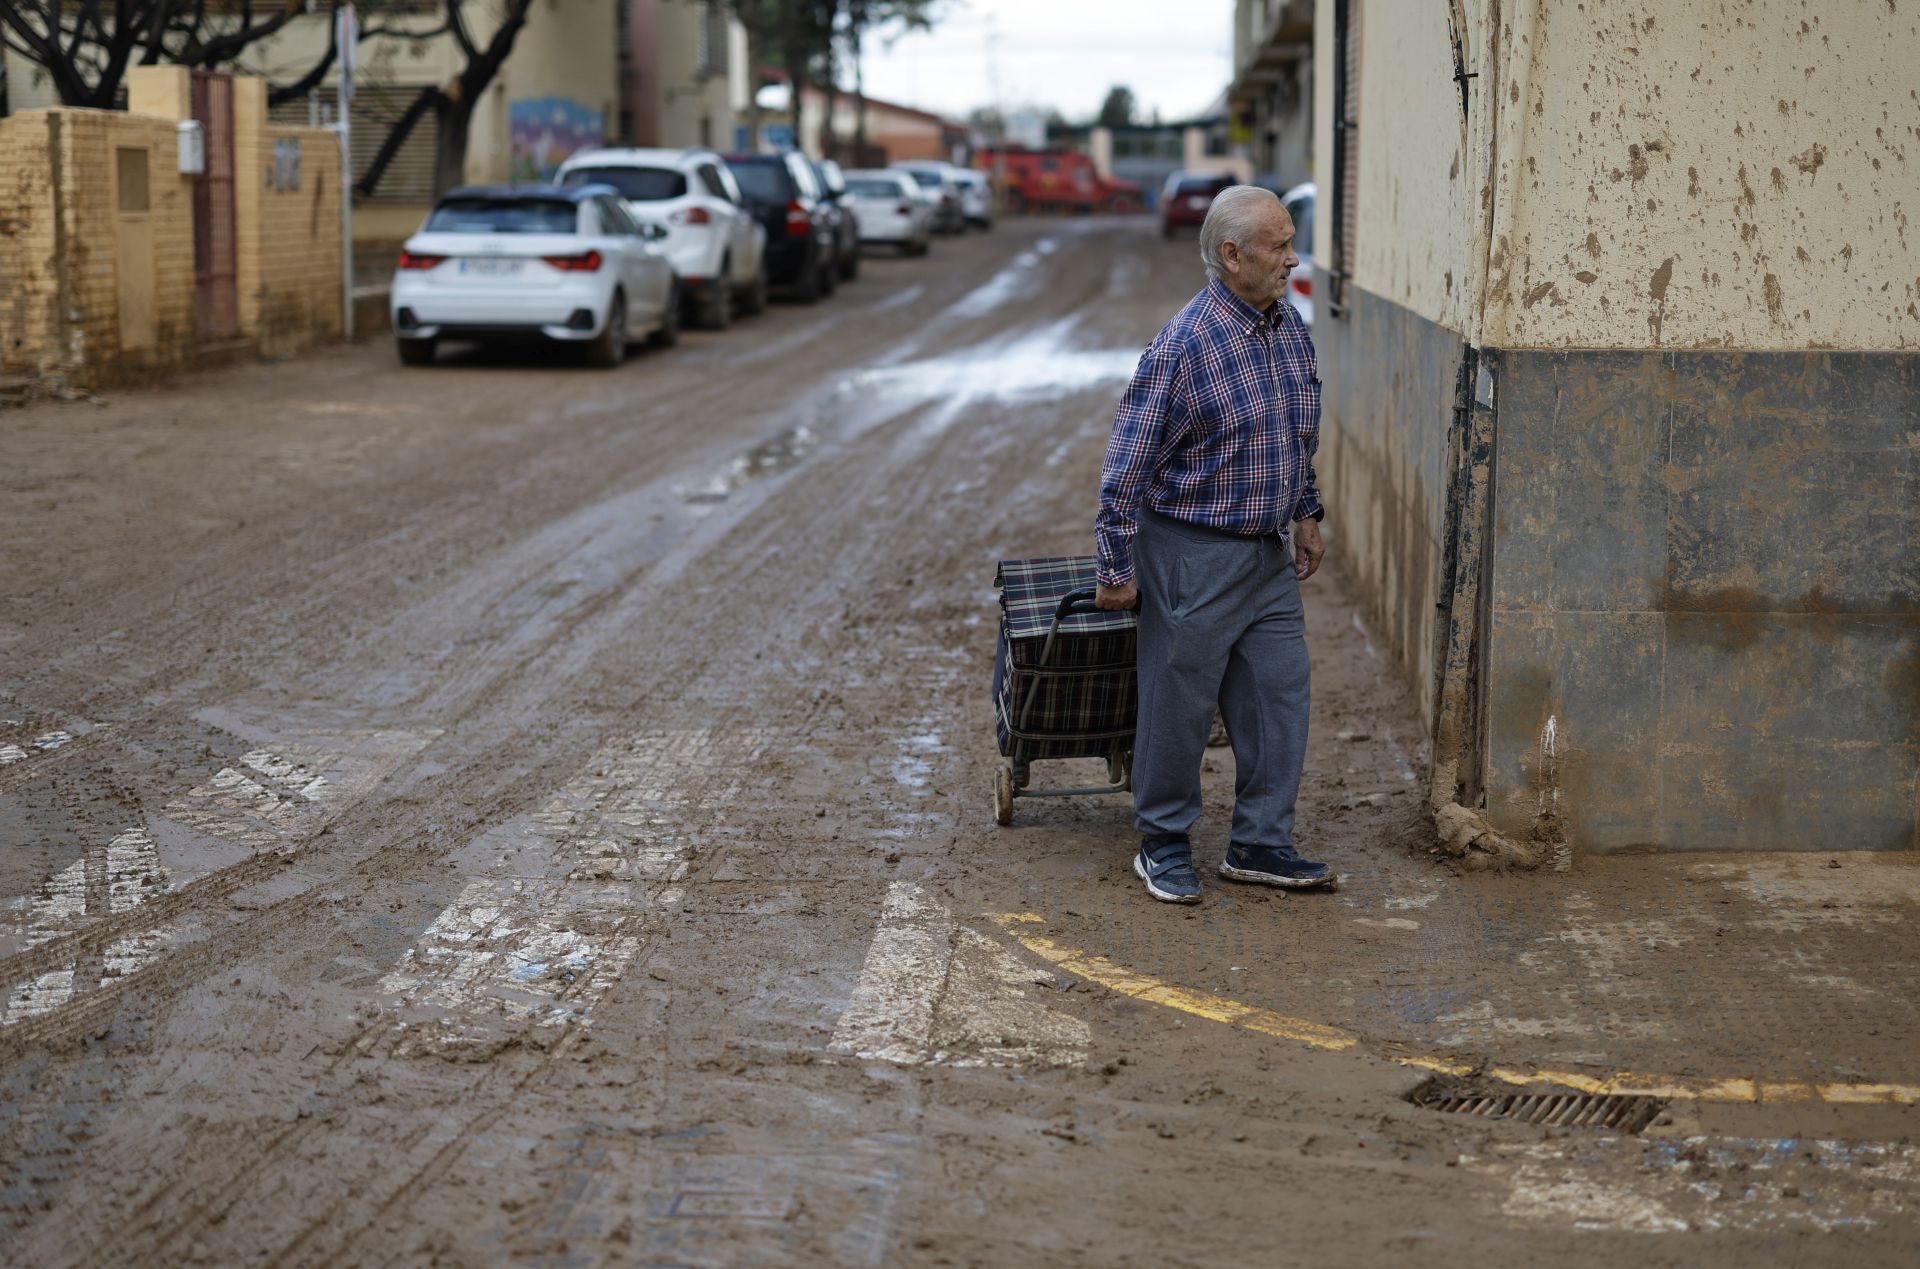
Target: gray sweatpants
[[1220, 621]]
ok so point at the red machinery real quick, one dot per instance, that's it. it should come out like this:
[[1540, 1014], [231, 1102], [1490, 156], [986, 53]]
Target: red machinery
[[1055, 180]]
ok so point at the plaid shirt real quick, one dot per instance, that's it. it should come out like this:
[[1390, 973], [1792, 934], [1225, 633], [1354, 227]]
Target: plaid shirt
[[1218, 428]]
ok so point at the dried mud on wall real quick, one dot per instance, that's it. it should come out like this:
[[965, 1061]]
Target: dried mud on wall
[[1724, 175], [1706, 612]]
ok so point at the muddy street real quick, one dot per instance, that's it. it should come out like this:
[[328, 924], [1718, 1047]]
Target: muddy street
[[505, 812]]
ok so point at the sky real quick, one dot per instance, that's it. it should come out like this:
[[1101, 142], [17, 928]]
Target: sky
[[1175, 55]]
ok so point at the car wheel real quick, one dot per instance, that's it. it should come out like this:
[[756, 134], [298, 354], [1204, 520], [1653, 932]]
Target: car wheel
[[850, 264], [829, 277], [668, 332], [415, 352], [609, 347], [754, 301], [716, 303]]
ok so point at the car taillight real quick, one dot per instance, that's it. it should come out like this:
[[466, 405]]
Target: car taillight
[[691, 216], [1303, 286], [588, 262], [799, 224], [408, 260]]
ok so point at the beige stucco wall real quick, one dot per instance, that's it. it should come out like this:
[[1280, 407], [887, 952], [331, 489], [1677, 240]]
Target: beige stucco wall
[[1743, 177], [692, 109], [1746, 174]]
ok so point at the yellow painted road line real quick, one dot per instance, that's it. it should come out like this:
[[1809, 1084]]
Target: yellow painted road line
[[1128, 982]]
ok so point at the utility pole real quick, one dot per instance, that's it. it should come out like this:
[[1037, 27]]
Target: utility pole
[[346, 37]]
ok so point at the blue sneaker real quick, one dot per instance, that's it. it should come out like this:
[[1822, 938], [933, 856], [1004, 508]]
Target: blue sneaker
[[1166, 865], [1273, 866]]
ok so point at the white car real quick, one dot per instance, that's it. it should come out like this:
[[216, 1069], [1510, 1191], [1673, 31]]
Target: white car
[[888, 208], [937, 179], [976, 196], [1299, 203], [500, 262], [716, 244]]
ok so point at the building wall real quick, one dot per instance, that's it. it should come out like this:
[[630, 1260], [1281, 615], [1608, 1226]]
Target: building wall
[[560, 86], [692, 106], [1691, 284], [61, 298], [1742, 177], [98, 283], [287, 209]]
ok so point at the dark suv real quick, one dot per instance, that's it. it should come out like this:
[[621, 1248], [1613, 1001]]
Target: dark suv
[[846, 229], [787, 197]]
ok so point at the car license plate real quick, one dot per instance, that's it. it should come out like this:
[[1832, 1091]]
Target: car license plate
[[490, 268]]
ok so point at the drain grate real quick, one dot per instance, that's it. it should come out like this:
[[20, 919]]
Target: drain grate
[[1559, 1107]]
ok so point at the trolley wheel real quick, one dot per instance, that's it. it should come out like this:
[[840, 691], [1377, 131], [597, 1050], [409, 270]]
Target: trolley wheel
[[1003, 796], [1120, 768]]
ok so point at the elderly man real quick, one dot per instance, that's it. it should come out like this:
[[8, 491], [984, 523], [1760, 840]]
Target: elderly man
[[1209, 521]]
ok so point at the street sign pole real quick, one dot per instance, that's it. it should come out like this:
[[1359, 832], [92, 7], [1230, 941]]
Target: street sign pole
[[346, 37]]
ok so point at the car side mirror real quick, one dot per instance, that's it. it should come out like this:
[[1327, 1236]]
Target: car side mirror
[[652, 232]]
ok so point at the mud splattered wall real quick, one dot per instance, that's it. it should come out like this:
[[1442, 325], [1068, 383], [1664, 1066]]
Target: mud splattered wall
[[1694, 288], [1725, 175]]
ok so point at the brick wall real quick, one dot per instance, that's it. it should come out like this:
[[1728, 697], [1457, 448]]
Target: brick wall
[[61, 205], [287, 206], [101, 289]]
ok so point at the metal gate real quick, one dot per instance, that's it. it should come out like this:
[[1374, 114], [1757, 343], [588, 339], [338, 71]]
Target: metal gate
[[215, 255]]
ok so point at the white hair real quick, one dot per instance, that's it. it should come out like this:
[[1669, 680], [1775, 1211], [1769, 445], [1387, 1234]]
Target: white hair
[[1231, 219]]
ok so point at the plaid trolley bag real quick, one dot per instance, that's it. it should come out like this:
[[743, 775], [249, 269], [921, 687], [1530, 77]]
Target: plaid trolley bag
[[1064, 683]]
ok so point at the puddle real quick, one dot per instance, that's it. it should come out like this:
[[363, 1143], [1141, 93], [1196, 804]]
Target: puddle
[[1004, 285], [768, 458], [1027, 365]]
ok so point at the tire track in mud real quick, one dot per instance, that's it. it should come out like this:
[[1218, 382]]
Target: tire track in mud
[[679, 644]]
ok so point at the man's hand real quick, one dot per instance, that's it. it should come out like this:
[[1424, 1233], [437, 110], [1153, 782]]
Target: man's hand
[[1308, 549], [1116, 598]]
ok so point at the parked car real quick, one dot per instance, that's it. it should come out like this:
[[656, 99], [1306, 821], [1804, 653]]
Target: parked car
[[787, 197], [564, 263], [846, 231], [716, 245], [937, 179], [976, 197], [1299, 202], [1187, 196], [889, 210]]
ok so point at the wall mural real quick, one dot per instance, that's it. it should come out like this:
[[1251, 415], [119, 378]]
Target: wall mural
[[542, 132]]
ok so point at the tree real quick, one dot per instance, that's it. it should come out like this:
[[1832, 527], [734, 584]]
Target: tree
[[889, 19], [453, 102], [86, 48], [1117, 110]]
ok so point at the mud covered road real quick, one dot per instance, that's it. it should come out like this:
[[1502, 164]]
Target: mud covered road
[[512, 813]]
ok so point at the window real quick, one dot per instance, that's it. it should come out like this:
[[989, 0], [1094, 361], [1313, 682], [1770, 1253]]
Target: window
[[503, 216], [710, 181], [710, 56], [763, 181], [130, 164], [875, 187], [641, 184], [614, 218], [409, 177], [1301, 209], [1346, 150]]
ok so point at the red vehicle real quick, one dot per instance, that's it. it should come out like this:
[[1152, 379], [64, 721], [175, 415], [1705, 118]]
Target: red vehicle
[[1056, 180], [1187, 199]]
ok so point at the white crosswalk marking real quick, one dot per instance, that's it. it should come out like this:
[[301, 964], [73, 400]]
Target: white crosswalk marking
[[932, 990]]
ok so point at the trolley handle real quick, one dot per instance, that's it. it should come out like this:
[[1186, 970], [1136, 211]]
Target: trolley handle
[[1072, 604]]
